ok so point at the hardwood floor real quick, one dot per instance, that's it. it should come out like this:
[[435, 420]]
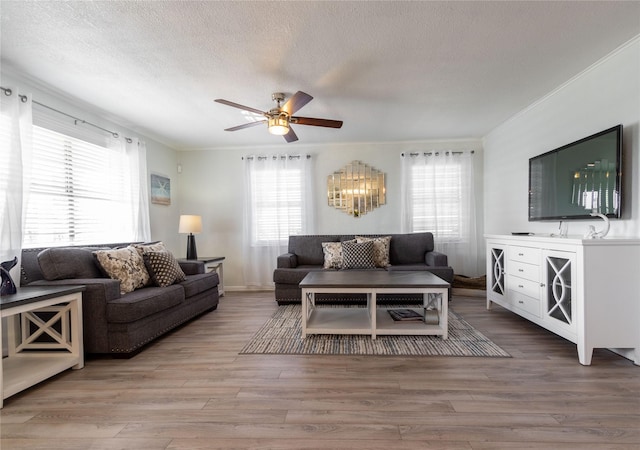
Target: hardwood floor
[[191, 390]]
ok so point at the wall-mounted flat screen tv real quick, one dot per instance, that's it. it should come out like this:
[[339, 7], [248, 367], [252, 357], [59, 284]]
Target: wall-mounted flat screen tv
[[577, 179]]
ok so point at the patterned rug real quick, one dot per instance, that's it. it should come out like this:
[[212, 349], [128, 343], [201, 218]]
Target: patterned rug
[[282, 334]]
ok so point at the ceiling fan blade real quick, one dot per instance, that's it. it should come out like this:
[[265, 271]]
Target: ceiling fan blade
[[246, 125], [239, 106], [297, 101], [290, 136], [317, 122]]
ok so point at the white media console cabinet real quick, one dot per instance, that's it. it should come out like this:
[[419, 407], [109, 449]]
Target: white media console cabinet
[[585, 290]]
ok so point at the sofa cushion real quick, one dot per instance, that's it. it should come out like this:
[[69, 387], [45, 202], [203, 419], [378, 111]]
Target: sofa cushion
[[332, 255], [195, 284], [124, 265], [357, 255], [293, 275], [68, 263], [409, 248], [163, 268], [308, 249], [381, 247], [143, 303]]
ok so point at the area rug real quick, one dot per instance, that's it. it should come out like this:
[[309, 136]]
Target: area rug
[[282, 335]]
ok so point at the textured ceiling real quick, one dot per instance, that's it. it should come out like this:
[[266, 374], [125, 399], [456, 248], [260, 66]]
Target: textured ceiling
[[392, 71]]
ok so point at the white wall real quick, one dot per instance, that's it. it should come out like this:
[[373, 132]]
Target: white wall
[[604, 95], [211, 185], [160, 158]]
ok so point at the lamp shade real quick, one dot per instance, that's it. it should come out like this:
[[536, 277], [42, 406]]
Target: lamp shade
[[190, 224]]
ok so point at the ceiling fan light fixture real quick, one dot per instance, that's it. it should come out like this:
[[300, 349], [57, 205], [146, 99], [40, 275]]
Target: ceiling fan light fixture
[[279, 125]]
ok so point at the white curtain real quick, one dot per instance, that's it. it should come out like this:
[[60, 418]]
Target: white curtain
[[15, 164], [137, 152], [278, 202], [438, 195]]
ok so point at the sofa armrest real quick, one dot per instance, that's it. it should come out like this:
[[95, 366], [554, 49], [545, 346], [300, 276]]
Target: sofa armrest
[[287, 261], [436, 259], [106, 288], [191, 267], [98, 292]]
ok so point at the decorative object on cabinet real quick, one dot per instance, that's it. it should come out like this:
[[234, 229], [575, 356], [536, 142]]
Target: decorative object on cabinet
[[8, 287], [192, 225], [356, 189], [593, 234], [160, 189], [584, 290]]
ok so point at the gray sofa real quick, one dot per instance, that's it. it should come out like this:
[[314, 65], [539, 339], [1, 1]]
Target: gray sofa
[[115, 323], [410, 251]]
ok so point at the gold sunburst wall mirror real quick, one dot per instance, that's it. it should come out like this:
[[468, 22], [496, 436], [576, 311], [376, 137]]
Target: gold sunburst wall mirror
[[356, 189]]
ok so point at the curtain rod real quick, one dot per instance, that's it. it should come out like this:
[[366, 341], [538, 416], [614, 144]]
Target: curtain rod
[[436, 153], [76, 120], [261, 158]]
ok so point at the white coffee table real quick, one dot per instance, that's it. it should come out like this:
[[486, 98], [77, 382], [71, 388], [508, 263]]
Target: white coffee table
[[372, 320]]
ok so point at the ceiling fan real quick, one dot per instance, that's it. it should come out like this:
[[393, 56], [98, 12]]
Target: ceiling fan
[[280, 118]]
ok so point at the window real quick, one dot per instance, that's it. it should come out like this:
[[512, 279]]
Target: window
[[80, 192], [277, 204], [437, 201], [277, 189], [438, 196]]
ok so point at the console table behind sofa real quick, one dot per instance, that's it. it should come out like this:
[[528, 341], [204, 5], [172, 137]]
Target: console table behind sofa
[[409, 251]]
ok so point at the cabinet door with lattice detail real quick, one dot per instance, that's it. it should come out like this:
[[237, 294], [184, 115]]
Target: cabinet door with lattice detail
[[559, 274], [496, 270]]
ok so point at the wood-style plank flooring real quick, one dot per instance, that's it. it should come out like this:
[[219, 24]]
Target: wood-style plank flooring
[[192, 390]]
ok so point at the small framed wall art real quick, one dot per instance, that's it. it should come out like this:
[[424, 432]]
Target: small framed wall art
[[160, 189]]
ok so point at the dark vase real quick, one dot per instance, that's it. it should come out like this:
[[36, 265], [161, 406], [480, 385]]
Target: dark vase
[[7, 287]]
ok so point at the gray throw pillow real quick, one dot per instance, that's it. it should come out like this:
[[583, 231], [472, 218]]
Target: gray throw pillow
[[357, 255], [60, 263]]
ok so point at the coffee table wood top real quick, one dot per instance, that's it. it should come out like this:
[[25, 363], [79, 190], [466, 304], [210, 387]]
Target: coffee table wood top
[[372, 279]]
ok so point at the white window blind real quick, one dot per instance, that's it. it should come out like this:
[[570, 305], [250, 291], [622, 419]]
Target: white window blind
[[276, 196], [437, 201], [79, 192]]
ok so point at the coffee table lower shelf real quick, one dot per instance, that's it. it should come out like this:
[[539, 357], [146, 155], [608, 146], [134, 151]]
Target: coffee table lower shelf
[[358, 321]]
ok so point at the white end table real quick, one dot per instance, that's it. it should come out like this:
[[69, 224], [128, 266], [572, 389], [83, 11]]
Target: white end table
[[32, 313], [214, 263]]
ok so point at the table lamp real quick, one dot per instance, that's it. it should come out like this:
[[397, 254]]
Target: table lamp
[[191, 225]]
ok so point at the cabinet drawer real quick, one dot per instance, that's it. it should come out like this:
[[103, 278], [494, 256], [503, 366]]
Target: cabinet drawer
[[523, 286], [525, 254], [524, 270], [526, 303]]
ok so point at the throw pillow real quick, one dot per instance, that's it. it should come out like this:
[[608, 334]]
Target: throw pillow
[[151, 247], [163, 268], [381, 247], [124, 265], [332, 255], [357, 255]]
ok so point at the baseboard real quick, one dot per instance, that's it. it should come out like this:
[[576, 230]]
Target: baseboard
[[249, 289]]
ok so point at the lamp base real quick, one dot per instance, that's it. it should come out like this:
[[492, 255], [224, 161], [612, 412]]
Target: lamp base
[[191, 247]]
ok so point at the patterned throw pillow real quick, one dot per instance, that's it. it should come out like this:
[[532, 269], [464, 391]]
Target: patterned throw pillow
[[163, 268], [332, 255], [357, 255], [381, 247], [150, 247], [124, 265]]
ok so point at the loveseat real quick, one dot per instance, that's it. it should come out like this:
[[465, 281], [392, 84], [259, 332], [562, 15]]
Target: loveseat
[[114, 321], [306, 253]]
